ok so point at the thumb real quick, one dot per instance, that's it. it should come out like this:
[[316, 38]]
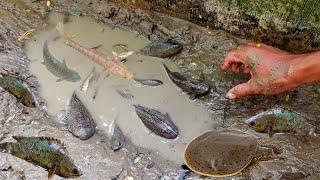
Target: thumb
[[242, 90]]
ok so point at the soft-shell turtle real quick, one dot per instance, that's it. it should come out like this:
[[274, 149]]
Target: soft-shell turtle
[[223, 153]]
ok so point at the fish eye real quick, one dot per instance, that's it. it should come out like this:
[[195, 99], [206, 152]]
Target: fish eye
[[252, 123], [75, 171]]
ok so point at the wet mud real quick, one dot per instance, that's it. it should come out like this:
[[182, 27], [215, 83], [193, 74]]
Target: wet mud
[[203, 53]]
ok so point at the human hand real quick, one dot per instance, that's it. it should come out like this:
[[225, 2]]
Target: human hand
[[269, 68]]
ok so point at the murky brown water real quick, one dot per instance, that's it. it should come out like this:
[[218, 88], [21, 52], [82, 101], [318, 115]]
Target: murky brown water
[[191, 118]]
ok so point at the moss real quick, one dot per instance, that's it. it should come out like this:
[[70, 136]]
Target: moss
[[286, 13]]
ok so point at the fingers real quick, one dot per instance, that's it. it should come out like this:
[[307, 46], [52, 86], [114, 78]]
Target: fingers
[[228, 62], [242, 90], [233, 61]]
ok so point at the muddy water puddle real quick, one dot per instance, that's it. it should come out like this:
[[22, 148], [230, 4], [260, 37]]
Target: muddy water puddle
[[190, 117]]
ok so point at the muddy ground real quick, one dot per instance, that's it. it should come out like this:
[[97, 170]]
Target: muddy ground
[[204, 51]]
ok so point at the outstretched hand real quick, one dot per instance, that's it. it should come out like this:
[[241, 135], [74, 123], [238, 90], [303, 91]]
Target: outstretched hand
[[269, 68]]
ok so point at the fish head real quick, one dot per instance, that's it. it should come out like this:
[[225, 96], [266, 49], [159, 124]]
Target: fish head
[[69, 169], [116, 143], [29, 101], [83, 133], [257, 123], [200, 87]]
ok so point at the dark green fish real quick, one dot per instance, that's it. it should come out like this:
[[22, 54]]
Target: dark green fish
[[79, 120], [18, 89], [48, 153], [193, 87], [160, 124], [162, 48], [279, 120], [149, 82], [57, 68]]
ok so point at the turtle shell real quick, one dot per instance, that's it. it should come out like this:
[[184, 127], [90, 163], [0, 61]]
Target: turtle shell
[[220, 153]]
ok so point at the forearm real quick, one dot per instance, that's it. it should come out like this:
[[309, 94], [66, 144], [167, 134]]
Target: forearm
[[305, 69]]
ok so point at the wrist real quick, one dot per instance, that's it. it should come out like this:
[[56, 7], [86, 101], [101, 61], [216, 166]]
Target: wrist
[[305, 69]]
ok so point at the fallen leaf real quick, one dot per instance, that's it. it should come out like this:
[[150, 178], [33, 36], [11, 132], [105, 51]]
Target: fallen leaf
[[25, 34]]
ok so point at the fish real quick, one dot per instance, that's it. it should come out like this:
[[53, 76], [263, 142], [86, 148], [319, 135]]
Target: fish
[[279, 120], [49, 153], [149, 82], [162, 48], [79, 120], [122, 55], [19, 90], [95, 93], [194, 88], [125, 94], [58, 68], [159, 123], [109, 63], [86, 82], [116, 138]]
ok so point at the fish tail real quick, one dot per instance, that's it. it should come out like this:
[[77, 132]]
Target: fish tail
[[6, 147], [60, 29]]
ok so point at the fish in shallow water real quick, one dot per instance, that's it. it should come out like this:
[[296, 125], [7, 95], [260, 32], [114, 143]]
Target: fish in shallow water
[[116, 138], [48, 153], [194, 88], [149, 82], [18, 89], [125, 94], [162, 48], [122, 55], [58, 68], [79, 120], [279, 120], [109, 63], [161, 124], [87, 81]]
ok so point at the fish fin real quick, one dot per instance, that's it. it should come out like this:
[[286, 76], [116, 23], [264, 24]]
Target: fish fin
[[192, 97], [113, 125], [60, 79], [174, 74], [18, 138], [52, 171], [64, 62], [270, 132], [54, 140], [63, 117]]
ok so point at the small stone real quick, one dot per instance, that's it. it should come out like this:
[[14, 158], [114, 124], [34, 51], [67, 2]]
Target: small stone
[[137, 160]]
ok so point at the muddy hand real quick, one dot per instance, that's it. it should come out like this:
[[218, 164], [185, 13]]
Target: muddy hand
[[268, 67]]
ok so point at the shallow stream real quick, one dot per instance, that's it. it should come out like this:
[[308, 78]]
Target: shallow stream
[[190, 117]]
